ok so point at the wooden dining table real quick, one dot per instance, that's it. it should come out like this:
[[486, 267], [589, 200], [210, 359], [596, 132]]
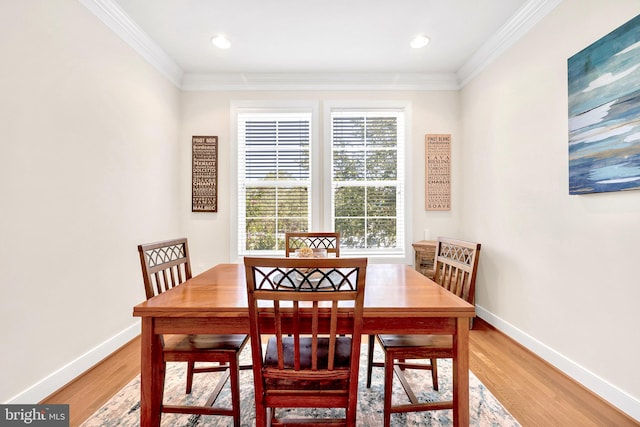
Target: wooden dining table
[[398, 299]]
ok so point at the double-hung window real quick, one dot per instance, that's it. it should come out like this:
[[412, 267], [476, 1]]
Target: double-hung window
[[352, 180], [274, 176], [367, 180]]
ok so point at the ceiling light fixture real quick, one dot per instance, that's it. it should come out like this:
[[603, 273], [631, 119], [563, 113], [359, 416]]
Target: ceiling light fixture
[[419, 41], [221, 42]]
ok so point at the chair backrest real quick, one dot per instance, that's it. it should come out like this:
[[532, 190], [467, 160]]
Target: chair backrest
[[456, 263], [308, 299], [322, 240], [164, 265]]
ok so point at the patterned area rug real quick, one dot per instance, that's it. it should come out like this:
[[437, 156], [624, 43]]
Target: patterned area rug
[[124, 408]]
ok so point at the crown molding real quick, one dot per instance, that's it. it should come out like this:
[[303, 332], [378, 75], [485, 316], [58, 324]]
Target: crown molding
[[109, 12], [525, 18], [319, 81], [112, 15]]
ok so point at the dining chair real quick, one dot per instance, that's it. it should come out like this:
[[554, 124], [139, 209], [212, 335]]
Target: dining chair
[[300, 307], [456, 264], [166, 265], [314, 240]]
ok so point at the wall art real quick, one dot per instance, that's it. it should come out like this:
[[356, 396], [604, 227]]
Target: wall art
[[204, 174], [437, 185], [604, 113]]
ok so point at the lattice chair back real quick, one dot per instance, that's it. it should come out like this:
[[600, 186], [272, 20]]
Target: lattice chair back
[[309, 311], [314, 240], [456, 266], [164, 265]]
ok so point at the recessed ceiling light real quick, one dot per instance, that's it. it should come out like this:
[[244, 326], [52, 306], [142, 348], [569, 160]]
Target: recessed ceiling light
[[221, 41], [419, 41]]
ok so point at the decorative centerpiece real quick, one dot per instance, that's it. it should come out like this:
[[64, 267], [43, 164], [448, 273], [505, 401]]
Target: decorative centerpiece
[[304, 252]]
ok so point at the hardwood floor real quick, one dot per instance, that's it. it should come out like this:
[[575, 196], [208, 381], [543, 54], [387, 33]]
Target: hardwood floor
[[535, 393], [87, 393]]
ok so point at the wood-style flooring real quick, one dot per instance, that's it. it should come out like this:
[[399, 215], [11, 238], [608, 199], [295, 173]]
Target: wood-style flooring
[[536, 393]]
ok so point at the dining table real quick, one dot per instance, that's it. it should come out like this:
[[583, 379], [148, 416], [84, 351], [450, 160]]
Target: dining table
[[398, 300]]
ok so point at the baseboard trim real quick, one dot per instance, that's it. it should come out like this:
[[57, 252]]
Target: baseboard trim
[[75, 368], [612, 394]]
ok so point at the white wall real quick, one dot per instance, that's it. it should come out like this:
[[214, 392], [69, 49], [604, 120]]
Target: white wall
[[558, 272], [208, 113], [88, 134]]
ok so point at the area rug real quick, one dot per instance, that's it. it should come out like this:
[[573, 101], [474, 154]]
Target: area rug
[[484, 409]]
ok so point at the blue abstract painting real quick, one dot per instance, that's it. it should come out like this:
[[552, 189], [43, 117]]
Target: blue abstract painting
[[604, 113]]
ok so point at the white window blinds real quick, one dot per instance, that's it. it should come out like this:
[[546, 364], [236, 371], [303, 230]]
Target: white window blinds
[[274, 178]]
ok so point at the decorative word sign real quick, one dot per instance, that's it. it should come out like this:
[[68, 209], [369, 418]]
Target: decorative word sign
[[437, 172], [204, 174]]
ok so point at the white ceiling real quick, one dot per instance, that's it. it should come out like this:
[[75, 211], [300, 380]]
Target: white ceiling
[[363, 39]]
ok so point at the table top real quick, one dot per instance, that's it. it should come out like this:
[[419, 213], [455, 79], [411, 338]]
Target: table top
[[391, 290]]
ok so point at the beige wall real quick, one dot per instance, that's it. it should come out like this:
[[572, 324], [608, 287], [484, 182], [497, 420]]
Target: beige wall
[[208, 113], [558, 272], [88, 134]]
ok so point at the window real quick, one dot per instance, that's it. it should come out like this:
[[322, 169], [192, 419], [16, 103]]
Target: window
[[352, 181], [274, 175], [367, 180]]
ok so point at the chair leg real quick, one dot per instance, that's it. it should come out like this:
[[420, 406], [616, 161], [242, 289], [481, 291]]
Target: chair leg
[[262, 414], [190, 367], [370, 360], [350, 416], [434, 373], [163, 383], [234, 368]]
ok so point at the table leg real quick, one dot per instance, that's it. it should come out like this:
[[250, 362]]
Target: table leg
[[151, 375], [461, 373]]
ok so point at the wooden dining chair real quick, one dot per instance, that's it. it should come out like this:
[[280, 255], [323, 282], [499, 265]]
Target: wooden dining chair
[[456, 263], [299, 307], [166, 265], [314, 240]]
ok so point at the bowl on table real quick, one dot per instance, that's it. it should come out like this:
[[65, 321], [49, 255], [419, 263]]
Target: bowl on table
[[311, 253]]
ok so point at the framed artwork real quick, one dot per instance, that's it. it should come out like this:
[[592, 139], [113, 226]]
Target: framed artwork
[[604, 113], [204, 174], [437, 176]]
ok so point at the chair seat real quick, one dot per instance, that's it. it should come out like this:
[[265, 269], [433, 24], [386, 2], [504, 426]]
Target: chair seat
[[207, 341], [390, 341], [296, 381], [204, 342], [342, 358]]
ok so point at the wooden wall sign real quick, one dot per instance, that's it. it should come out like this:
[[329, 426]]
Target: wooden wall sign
[[204, 174], [437, 184]]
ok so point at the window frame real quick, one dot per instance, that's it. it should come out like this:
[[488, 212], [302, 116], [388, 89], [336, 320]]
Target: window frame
[[270, 107], [402, 254], [321, 168]]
